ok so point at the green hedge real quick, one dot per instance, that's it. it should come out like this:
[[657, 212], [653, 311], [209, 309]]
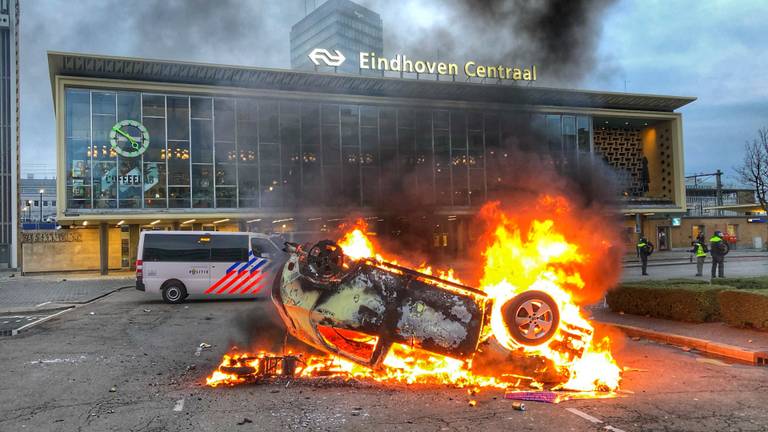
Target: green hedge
[[754, 283], [744, 308], [692, 302]]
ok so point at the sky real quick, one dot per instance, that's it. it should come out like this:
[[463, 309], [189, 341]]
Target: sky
[[713, 50]]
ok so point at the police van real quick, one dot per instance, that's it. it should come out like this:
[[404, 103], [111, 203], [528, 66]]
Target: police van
[[207, 265]]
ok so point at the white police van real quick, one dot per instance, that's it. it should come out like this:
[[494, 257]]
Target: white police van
[[208, 265]]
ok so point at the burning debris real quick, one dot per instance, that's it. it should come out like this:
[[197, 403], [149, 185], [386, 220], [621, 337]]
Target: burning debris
[[379, 320]]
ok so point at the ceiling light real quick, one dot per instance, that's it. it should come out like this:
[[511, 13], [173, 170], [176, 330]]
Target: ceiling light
[[188, 222], [121, 222], [155, 222], [220, 221], [253, 220]]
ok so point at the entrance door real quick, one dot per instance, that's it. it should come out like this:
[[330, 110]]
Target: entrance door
[[662, 238]]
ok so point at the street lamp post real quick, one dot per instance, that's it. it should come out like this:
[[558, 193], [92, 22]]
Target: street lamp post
[[41, 208]]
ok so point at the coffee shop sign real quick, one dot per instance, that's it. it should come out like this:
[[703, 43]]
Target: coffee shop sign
[[401, 63], [50, 237]]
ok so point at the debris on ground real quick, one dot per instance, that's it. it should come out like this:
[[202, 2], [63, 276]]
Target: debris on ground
[[113, 389], [518, 406], [147, 310], [245, 420], [472, 403], [201, 347]]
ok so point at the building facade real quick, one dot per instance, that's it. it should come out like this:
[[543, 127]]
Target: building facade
[[9, 132], [336, 25], [146, 144], [38, 200]]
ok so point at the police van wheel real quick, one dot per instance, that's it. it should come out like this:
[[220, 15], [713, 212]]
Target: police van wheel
[[174, 293]]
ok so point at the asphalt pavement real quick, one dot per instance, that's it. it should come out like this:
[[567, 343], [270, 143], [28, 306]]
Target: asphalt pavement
[[127, 362]]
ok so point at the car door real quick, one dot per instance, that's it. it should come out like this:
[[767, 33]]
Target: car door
[[231, 266]]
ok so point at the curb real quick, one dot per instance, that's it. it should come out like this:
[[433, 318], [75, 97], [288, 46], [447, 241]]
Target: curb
[[754, 357], [74, 306]]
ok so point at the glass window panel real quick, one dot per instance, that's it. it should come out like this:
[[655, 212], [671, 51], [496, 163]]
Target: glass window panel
[[247, 123], [441, 119], [270, 186], [369, 116], [202, 141], [475, 121], [154, 185], [554, 135], [78, 113], [153, 105], [178, 197], [460, 186], [103, 102], [225, 152], [458, 131], [476, 154], [370, 180], [249, 186], [105, 184], [569, 125], [583, 134], [369, 146], [202, 186], [476, 186], [330, 114], [331, 146], [405, 118], [226, 174], [176, 248], [128, 106], [130, 183], [229, 248], [200, 107], [178, 118], [269, 129], [178, 163], [269, 154], [224, 120], [156, 150], [407, 149], [226, 197], [102, 149]]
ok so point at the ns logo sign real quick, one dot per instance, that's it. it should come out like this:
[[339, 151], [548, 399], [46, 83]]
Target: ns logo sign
[[321, 56]]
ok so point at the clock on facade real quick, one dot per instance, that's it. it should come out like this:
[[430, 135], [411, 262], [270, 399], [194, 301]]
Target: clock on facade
[[129, 138]]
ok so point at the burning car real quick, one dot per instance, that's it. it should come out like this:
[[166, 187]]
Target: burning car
[[358, 308]]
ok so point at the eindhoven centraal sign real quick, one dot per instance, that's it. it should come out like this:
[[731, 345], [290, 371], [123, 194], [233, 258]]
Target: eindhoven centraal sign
[[401, 63]]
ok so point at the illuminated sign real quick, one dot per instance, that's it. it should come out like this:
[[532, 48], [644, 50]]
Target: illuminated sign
[[676, 221], [401, 63]]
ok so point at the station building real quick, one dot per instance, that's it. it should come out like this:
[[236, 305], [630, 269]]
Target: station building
[[155, 144]]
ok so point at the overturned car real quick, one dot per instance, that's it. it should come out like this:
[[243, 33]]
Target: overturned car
[[358, 309]]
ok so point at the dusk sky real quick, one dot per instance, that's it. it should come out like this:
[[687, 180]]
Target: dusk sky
[[713, 50]]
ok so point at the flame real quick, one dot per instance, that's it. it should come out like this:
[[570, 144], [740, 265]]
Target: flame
[[542, 259], [520, 253]]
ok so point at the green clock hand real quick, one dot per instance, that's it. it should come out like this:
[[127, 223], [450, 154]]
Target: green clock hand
[[134, 144]]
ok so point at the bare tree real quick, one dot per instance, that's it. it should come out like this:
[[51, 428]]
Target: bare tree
[[754, 169]]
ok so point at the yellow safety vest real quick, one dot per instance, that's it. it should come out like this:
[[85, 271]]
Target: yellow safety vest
[[700, 250]]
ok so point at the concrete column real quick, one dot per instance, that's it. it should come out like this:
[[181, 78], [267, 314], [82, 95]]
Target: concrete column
[[133, 244], [176, 225], [104, 248], [242, 226]]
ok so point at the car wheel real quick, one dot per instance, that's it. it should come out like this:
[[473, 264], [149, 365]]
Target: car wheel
[[174, 293], [531, 317]]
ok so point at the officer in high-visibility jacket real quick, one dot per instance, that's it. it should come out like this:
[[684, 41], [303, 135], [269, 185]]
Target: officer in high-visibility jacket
[[718, 249], [700, 249], [644, 250]]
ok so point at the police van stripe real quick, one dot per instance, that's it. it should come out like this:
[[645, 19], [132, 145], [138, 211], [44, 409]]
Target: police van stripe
[[240, 273]]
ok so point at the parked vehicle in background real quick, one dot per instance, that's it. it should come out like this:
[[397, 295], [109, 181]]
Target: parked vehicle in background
[[207, 265]]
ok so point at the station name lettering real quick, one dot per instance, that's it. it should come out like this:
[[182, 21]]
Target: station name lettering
[[401, 63], [50, 237]]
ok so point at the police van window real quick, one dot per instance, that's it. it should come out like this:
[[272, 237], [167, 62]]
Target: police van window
[[229, 248], [175, 248], [263, 246]]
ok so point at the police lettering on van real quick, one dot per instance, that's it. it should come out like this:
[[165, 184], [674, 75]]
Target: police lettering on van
[[197, 264]]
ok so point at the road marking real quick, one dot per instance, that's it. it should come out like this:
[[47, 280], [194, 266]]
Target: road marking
[[179, 405], [43, 319], [42, 304], [584, 415]]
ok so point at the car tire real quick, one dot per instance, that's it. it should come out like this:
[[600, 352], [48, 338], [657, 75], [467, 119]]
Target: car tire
[[174, 293], [531, 317]]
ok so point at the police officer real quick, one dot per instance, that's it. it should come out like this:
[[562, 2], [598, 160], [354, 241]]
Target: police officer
[[700, 249], [644, 250], [718, 249]]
